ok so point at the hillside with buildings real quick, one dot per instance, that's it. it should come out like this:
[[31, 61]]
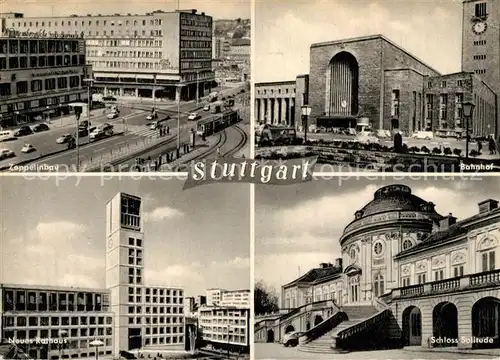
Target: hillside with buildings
[[232, 29]]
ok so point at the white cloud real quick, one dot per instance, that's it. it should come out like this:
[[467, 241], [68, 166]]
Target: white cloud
[[282, 51], [163, 213], [188, 277], [235, 263]]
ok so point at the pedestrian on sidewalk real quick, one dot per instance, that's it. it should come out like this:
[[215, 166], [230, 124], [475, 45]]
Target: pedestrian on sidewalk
[[491, 145]]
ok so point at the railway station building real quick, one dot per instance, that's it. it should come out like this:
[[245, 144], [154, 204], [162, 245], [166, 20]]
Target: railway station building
[[138, 55], [407, 276]]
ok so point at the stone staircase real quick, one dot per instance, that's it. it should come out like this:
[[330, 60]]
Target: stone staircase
[[324, 343]]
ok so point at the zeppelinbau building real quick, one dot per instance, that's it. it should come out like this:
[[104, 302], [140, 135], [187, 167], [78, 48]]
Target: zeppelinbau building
[[371, 81], [407, 276]]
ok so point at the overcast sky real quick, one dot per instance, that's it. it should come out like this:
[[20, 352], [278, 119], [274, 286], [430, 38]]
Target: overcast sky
[[219, 9], [285, 29], [55, 234], [300, 226]]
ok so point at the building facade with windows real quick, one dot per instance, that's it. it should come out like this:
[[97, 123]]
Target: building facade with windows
[[145, 316], [55, 322], [238, 298], [410, 270], [214, 296], [132, 55], [275, 102], [225, 327], [40, 75]]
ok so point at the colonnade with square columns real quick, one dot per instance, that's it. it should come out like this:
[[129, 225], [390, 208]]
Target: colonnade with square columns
[[276, 111]]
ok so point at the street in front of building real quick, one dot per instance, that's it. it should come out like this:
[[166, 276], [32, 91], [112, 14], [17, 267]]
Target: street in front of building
[[278, 351]]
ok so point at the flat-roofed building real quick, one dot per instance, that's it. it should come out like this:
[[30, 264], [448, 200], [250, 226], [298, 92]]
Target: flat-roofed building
[[225, 327], [132, 55], [40, 74], [55, 322]]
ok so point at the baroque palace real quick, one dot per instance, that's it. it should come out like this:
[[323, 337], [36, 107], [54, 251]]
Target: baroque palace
[[407, 274]]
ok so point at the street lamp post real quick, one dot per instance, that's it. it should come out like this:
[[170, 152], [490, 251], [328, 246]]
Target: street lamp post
[[89, 82], [197, 86], [306, 111], [96, 343], [468, 108], [154, 93], [178, 95]]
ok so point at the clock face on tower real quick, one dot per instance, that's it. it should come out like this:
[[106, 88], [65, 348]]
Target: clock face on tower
[[479, 27], [110, 244]]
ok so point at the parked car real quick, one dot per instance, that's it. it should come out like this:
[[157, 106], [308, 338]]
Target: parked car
[[27, 148], [40, 128], [194, 116], [23, 131], [127, 355], [425, 135], [64, 138], [291, 339], [366, 137], [6, 153], [82, 132], [206, 108], [112, 115], [84, 124]]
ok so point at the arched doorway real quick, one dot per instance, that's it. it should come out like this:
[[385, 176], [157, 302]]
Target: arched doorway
[[486, 321], [445, 323], [354, 289], [412, 326], [270, 336], [318, 319], [342, 86], [289, 329]]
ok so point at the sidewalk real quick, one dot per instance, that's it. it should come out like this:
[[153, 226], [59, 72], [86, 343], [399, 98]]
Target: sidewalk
[[486, 352]]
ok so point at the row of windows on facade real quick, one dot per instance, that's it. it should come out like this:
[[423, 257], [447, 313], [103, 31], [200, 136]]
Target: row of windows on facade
[[272, 91], [155, 320], [154, 291], [185, 65], [32, 104], [196, 44], [224, 338], [157, 309], [446, 83], [481, 10], [36, 85], [164, 340], [135, 22], [22, 300], [36, 62], [35, 321], [39, 46], [479, 42], [165, 330], [224, 329], [487, 264], [230, 321], [124, 43], [479, 57]]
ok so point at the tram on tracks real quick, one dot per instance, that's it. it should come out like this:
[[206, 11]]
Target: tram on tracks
[[214, 124]]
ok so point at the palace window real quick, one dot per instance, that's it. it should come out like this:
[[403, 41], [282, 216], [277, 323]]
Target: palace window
[[407, 244], [438, 275], [405, 281], [443, 106], [429, 99], [458, 270], [488, 260], [421, 278], [378, 285], [459, 99], [378, 248]]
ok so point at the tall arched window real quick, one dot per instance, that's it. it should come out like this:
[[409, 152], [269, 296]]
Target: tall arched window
[[378, 285]]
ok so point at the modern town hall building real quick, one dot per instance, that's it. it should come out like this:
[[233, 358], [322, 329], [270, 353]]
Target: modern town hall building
[[49, 322], [407, 276]]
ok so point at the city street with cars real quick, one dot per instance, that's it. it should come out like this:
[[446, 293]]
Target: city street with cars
[[133, 125]]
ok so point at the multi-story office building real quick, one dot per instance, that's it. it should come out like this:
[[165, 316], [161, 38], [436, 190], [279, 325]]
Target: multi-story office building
[[240, 51], [225, 327], [140, 55], [200, 300], [145, 316], [214, 296], [238, 298], [189, 306], [55, 322], [40, 74]]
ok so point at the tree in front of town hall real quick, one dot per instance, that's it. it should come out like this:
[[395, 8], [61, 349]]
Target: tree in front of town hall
[[265, 299]]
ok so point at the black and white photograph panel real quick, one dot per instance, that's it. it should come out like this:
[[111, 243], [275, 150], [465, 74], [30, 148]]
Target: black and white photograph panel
[[117, 86], [123, 269], [380, 269], [409, 86]]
